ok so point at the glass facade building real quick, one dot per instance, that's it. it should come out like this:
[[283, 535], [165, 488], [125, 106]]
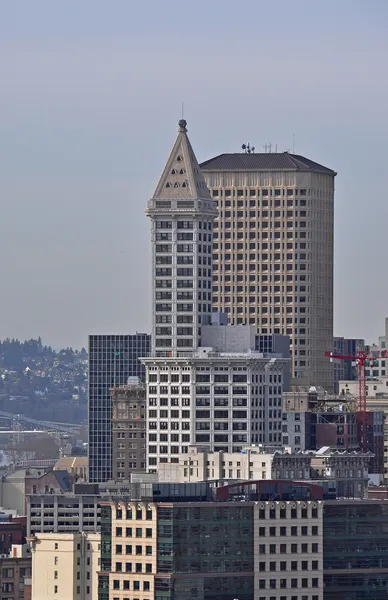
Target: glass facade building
[[196, 541], [112, 359], [355, 550]]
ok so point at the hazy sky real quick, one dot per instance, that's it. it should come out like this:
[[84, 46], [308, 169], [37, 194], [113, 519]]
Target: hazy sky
[[90, 96]]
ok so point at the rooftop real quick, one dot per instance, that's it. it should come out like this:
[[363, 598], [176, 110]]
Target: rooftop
[[263, 162]]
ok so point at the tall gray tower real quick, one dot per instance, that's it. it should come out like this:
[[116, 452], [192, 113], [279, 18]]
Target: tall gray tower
[[182, 213]]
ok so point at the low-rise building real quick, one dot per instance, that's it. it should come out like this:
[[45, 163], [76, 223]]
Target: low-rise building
[[200, 465], [15, 570], [65, 513], [16, 484], [12, 532], [65, 566]]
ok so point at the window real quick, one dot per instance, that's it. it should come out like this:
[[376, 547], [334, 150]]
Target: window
[[148, 533], [119, 549], [55, 546], [119, 531], [128, 532], [139, 550], [116, 584], [139, 532], [126, 585], [55, 574], [146, 586], [55, 589], [149, 550], [55, 560]]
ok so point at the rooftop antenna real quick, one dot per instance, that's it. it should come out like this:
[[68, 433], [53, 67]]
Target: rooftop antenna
[[182, 110], [248, 149], [293, 143]]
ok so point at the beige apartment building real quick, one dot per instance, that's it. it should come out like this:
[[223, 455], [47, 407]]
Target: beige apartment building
[[65, 566], [273, 252]]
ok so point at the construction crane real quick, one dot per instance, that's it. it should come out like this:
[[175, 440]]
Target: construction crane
[[362, 359]]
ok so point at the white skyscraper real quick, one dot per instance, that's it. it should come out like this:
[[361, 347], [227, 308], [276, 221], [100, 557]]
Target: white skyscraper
[[182, 214]]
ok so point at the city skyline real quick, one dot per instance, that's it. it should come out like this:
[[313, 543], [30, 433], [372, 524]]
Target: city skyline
[[81, 145]]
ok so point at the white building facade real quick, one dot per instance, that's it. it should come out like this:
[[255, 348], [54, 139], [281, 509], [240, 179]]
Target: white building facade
[[195, 394]]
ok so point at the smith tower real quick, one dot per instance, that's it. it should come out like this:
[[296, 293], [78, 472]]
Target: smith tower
[[182, 213]]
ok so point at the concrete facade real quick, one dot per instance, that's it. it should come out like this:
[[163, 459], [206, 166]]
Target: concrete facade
[[65, 566], [198, 465], [288, 547], [222, 401], [66, 513], [273, 252]]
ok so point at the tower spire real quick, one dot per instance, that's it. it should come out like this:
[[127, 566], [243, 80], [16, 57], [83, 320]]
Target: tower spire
[[182, 177]]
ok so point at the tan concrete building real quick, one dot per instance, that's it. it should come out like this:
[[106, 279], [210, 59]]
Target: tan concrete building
[[132, 530], [199, 465], [65, 566], [273, 251], [128, 429]]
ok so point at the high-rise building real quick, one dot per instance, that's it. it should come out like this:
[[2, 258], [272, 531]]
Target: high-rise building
[[182, 214], [207, 384], [112, 359], [273, 252]]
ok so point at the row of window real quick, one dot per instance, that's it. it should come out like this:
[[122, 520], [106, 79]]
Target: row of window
[[284, 531], [294, 548], [138, 550], [274, 584], [260, 191], [135, 585]]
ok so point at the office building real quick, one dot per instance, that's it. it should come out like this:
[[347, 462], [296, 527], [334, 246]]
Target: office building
[[155, 550], [128, 429], [273, 252], [192, 349], [65, 566], [112, 359], [355, 558]]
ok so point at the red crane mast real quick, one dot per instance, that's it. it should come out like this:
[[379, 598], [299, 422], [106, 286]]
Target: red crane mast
[[361, 358]]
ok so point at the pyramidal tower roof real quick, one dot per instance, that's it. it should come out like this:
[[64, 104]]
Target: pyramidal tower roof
[[182, 177]]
